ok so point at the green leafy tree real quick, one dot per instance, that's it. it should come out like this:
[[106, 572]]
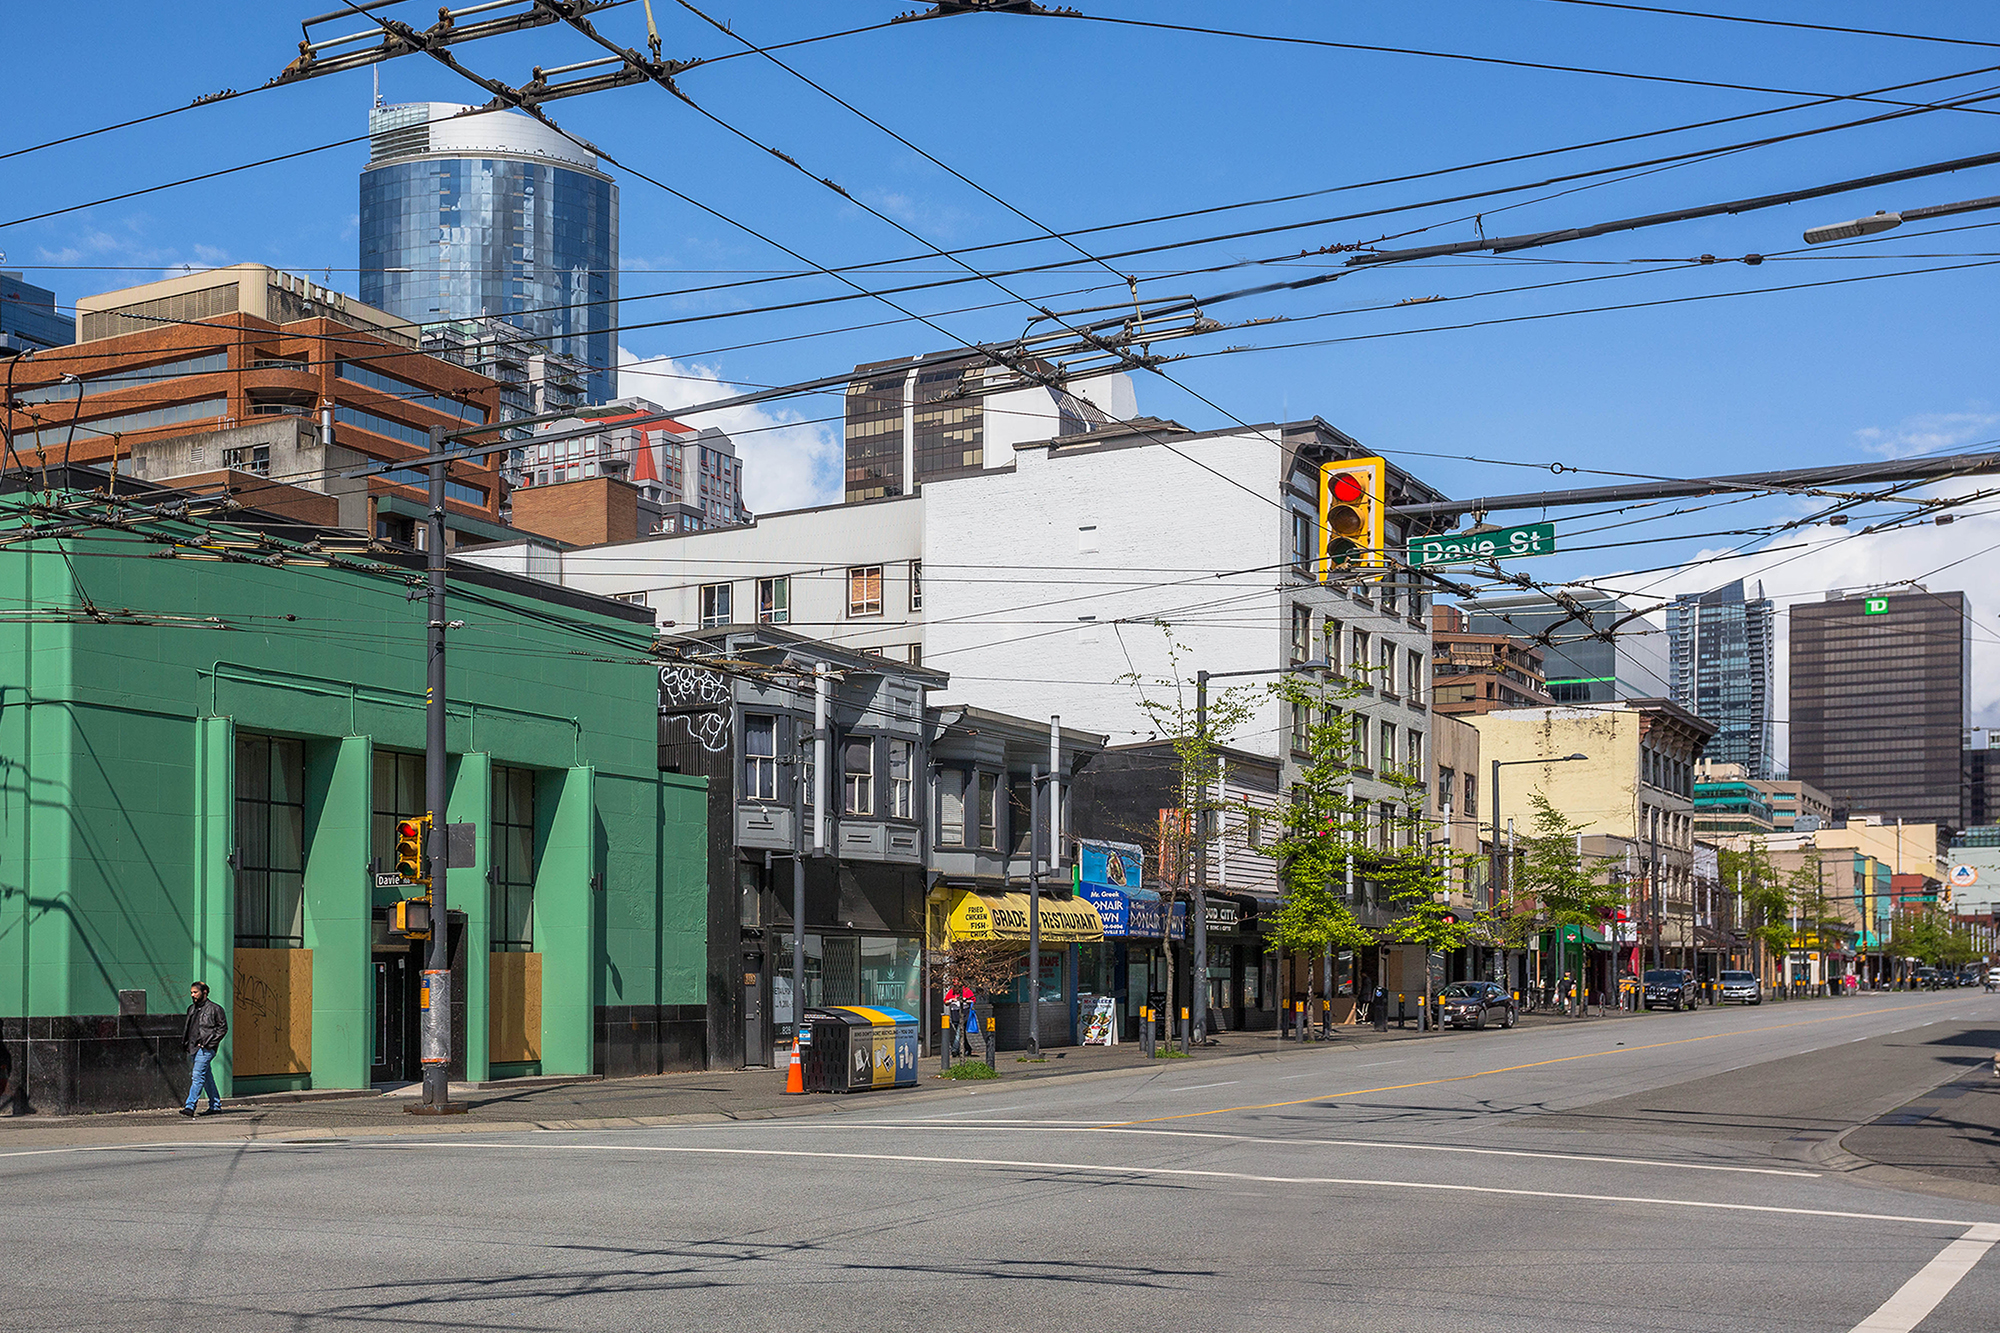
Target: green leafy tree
[[1762, 904], [1551, 884], [1320, 832], [1170, 703]]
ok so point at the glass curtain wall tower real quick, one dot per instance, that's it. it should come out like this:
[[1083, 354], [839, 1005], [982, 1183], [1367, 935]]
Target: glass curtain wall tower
[[1721, 644], [469, 214]]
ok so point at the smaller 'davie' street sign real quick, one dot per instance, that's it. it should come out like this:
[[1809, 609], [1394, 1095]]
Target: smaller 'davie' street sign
[[1494, 544]]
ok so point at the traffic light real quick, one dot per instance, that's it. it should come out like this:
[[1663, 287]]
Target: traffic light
[[410, 835], [411, 918], [1352, 505]]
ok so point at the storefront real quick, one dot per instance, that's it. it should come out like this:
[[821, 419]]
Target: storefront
[[1127, 964], [1066, 925]]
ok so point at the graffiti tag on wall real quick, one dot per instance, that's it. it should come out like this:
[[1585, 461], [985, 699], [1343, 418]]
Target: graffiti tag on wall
[[695, 698]]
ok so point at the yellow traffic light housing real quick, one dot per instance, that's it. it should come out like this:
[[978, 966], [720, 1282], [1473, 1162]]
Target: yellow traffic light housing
[[411, 834], [1353, 515]]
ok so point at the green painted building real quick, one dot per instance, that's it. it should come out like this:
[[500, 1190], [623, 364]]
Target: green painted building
[[209, 728]]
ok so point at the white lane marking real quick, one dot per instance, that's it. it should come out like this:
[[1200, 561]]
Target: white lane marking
[[1164, 1087], [1375, 1064], [1075, 1127], [1098, 1168], [1933, 1282]]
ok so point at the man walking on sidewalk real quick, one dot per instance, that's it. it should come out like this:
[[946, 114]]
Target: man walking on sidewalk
[[207, 1025]]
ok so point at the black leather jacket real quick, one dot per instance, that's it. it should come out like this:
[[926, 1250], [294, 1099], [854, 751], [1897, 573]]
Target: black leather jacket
[[207, 1025]]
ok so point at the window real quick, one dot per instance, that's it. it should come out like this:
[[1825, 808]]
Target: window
[[774, 601], [1331, 641], [1388, 751], [1386, 825], [1358, 739], [398, 794], [951, 807], [1020, 817], [1446, 781], [270, 843], [864, 590], [1416, 740], [989, 810], [1471, 796], [1301, 634], [916, 585], [1301, 724], [1302, 541], [1413, 684], [254, 459], [857, 766], [1357, 657], [511, 900], [1389, 594], [760, 758], [714, 605], [900, 783], [1388, 666]]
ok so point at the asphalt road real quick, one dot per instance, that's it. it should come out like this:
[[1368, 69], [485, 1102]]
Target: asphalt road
[[1682, 1171]]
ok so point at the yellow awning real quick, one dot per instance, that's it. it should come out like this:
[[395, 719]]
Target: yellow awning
[[1004, 916]]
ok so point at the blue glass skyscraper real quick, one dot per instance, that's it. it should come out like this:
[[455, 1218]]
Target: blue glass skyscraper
[[469, 214]]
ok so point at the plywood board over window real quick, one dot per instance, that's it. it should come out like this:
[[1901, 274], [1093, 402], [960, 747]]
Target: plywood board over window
[[514, 1007], [270, 1024]]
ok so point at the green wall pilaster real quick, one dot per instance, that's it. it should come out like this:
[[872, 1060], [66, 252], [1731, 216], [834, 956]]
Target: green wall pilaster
[[471, 802], [566, 921], [214, 959], [338, 896]]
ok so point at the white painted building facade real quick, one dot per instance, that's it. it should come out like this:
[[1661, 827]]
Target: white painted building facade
[[1076, 579]]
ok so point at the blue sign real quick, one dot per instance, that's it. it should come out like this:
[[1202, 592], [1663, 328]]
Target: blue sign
[[1118, 865], [1133, 914]]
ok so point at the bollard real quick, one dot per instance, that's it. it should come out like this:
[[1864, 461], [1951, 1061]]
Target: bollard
[[1146, 1030], [944, 1056], [1401, 1016], [988, 1034]]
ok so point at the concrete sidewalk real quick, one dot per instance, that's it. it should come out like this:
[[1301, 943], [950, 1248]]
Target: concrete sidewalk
[[1946, 1141], [687, 1098]]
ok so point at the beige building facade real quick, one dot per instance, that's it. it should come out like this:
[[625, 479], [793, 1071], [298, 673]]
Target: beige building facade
[[1632, 793]]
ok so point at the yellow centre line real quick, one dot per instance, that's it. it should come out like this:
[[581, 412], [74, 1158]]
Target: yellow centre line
[[1510, 1069]]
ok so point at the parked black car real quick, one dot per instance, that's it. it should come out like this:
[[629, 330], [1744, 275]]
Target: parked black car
[[1670, 986], [1473, 1004], [1742, 987]]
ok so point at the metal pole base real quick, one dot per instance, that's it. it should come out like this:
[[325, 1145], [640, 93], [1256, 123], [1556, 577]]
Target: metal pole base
[[437, 1094]]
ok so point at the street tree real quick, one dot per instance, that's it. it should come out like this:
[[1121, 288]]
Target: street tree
[[1320, 840], [1196, 734], [1552, 886]]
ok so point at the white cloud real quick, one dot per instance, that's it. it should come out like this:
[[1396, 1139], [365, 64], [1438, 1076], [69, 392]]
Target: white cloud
[[789, 461], [1927, 433]]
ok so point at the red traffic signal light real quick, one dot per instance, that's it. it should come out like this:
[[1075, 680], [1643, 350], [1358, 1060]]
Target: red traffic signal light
[[1351, 513], [410, 849]]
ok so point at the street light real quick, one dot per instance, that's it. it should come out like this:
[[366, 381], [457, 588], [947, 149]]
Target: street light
[[1198, 1010], [1493, 876], [1881, 221]]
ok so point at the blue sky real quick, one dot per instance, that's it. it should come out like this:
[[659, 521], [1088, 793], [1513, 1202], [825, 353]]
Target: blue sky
[[1079, 124]]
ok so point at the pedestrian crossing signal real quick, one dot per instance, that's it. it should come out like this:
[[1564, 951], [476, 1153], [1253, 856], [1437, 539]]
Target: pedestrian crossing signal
[[1353, 508], [411, 918], [410, 849]]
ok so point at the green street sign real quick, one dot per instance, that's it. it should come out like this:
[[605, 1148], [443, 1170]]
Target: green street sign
[[1498, 544], [1875, 606]]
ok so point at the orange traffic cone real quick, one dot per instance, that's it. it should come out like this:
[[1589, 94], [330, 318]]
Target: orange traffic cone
[[795, 1079]]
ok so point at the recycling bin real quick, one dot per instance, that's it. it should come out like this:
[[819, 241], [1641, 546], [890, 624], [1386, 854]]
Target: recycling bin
[[855, 1048]]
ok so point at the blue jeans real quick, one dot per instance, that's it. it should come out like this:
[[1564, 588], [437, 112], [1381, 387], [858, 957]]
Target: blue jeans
[[204, 1078]]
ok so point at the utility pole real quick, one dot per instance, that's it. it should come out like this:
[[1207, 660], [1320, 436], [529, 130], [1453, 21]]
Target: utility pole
[[1036, 858], [1198, 911], [437, 965], [1657, 905]]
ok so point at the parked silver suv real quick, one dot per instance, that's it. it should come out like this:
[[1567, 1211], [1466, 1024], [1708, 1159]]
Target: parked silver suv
[[1742, 987]]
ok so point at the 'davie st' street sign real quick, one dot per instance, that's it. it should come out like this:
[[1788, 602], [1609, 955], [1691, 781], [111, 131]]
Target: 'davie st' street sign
[[1494, 544]]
